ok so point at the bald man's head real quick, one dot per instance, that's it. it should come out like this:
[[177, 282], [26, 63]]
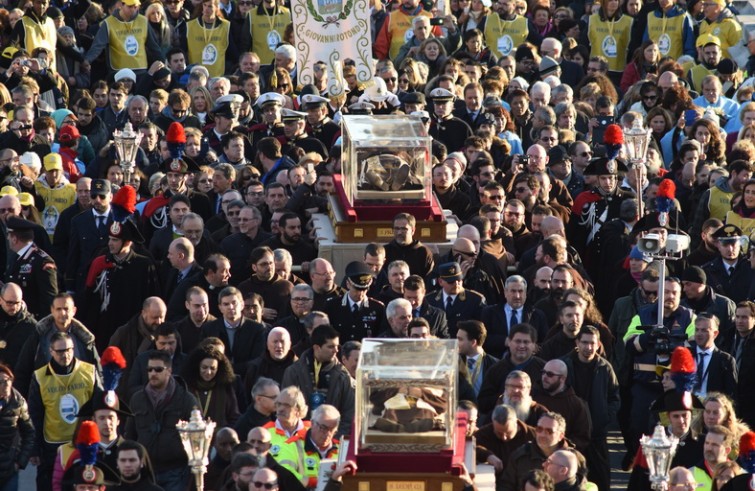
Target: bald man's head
[[471, 233], [9, 206]]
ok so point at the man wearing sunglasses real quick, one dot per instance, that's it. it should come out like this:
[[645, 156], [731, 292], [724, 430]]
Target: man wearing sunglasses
[[56, 393], [157, 409]]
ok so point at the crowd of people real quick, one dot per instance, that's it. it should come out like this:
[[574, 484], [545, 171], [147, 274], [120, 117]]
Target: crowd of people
[[193, 282]]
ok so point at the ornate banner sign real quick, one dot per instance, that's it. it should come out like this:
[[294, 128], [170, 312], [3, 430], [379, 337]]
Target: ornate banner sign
[[332, 31]]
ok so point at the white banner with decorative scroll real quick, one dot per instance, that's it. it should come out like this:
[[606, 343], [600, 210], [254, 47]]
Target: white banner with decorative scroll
[[332, 31]]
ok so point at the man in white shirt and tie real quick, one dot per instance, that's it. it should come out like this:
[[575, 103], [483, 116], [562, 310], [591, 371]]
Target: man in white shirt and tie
[[471, 335], [716, 369]]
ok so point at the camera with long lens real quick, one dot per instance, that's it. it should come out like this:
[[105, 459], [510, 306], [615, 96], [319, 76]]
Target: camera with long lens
[[663, 340]]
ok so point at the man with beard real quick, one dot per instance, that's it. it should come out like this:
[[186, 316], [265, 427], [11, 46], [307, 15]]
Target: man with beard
[[118, 282], [503, 316], [405, 247], [711, 54], [716, 449], [311, 198], [262, 407], [706, 251], [302, 302], [595, 382], [166, 339], [549, 438], [625, 308], [56, 393], [644, 384], [521, 356], [157, 409], [731, 274], [136, 335], [269, 104], [595, 207], [497, 440], [517, 395], [243, 339], [274, 291], [323, 277], [561, 280], [514, 219], [541, 285], [571, 315], [559, 397], [274, 361], [701, 298], [322, 378], [290, 238]]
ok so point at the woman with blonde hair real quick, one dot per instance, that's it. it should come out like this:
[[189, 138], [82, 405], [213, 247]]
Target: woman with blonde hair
[[200, 103], [718, 409], [155, 14]]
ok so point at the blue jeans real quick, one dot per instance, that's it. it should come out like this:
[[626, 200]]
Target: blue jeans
[[10, 484], [174, 479]]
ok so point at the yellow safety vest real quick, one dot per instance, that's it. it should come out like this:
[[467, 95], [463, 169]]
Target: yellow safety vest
[[503, 36], [399, 24], [610, 39], [719, 203], [696, 75], [267, 31], [62, 397], [728, 31], [303, 463], [278, 437], [667, 32], [128, 42], [40, 36], [746, 225], [701, 477], [208, 46], [56, 200]]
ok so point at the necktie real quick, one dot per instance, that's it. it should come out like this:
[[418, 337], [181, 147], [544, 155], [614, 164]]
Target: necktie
[[354, 308], [731, 270], [471, 362], [100, 222], [179, 278], [514, 320], [449, 303], [416, 314], [700, 371]]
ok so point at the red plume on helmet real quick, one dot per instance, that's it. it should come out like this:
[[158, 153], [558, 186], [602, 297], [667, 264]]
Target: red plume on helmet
[[124, 203], [176, 139]]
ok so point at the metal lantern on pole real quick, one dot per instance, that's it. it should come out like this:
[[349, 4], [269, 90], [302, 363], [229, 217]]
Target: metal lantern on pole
[[196, 435], [658, 451], [636, 141], [127, 145]]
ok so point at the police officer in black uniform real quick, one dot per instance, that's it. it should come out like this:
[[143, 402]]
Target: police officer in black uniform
[[33, 270], [445, 127], [355, 315], [730, 274], [295, 132], [319, 125], [458, 302], [270, 104]]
